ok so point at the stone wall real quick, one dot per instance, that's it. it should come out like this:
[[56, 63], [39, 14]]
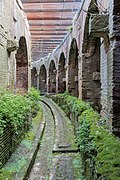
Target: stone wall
[[97, 33], [13, 25], [114, 65]]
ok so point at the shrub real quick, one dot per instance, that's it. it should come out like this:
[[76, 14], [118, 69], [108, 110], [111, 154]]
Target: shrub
[[14, 111], [96, 143], [34, 97]]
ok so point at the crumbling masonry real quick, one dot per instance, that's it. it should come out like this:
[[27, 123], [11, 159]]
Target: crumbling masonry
[[86, 64]]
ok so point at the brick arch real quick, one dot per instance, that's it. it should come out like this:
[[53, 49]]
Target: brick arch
[[22, 67], [73, 69], [52, 77], [43, 79], [91, 84], [34, 77], [61, 74], [53, 61]]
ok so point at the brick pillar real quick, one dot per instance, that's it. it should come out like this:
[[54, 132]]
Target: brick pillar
[[80, 76], [114, 65], [57, 71], [66, 67], [48, 81], [38, 80]]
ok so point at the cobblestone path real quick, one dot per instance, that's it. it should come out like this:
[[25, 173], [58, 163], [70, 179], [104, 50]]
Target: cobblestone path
[[58, 157]]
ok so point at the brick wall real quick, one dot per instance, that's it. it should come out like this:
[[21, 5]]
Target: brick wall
[[13, 25]]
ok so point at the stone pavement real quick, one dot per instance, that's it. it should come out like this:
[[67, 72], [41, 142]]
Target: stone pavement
[[58, 157]]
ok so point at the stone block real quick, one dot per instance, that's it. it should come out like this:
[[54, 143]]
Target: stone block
[[96, 76], [53, 81], [63, 79], [11, 45], [76, 78], [98, 25]]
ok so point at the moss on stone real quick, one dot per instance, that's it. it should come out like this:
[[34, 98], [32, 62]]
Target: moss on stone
[[102, 147], [6, 175], [38, 118], [19, 158]]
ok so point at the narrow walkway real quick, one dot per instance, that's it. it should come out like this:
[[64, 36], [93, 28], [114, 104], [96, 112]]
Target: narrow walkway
[[42, 163], [58, 157]]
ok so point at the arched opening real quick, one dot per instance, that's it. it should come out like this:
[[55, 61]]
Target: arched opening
[[34, 77], [61, 74], [52, 77], [22, 67], [73, 69], [42, 80], [91, 64]]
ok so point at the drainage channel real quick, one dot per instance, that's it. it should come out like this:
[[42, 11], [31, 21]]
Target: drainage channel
[[58, 157], [42, 164]]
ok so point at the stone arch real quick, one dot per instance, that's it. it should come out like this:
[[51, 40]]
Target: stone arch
[[34, 77], [22, 67], [61, 74], [52, 78], [73, 69], [42, 79], [91, 84]]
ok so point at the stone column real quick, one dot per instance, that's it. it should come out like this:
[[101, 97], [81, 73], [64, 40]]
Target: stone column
[[114, 66], [66, 79], [57, 72], [80, 76], [47, 82], [38, 80]]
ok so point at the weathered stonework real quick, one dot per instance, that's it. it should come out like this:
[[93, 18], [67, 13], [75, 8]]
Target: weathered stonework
[[61, 74], [42, 80], [13, 25], [11, 45], [98, 25], [97, 35]]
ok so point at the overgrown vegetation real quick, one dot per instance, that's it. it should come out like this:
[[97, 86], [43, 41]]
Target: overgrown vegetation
[[21, 158], [34, 98], [99, 148], [16, 112]]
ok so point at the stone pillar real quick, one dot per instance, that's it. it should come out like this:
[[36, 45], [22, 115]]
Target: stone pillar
[[114, 66], [47, 81], [80, 76], [38, 80], [57, 73], [66, 68]]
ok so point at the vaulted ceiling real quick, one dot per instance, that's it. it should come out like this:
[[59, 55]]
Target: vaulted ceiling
[[50, 21]]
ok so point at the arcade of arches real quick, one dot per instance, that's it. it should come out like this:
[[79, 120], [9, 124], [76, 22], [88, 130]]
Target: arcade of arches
[[80, 55]]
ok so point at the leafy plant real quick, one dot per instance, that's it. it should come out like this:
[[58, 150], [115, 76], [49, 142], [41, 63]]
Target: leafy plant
[[14, 111], [98, 146], [34, 97]]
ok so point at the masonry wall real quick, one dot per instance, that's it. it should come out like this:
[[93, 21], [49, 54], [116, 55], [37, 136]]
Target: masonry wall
[[13, 25], [98, 58], [114, 65]]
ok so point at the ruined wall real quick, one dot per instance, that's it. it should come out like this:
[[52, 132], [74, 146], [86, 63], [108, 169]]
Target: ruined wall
[[114, 66], [13, 25], [97, 33], [61, 74], [42, 80]]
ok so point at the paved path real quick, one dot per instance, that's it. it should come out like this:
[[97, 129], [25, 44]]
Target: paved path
[[57, 158]]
